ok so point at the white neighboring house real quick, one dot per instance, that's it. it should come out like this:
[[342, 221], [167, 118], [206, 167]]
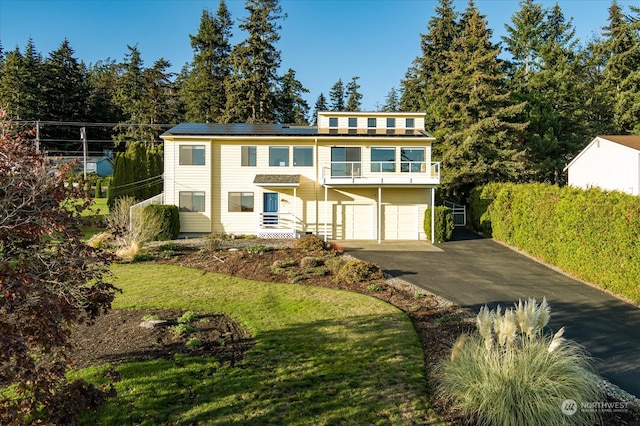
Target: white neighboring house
[[611, 163]]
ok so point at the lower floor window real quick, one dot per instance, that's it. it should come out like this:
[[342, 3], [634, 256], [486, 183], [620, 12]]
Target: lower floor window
[[191, 201], [241, 201]]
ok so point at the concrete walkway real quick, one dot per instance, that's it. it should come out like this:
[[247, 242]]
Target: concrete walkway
[[472, 271]]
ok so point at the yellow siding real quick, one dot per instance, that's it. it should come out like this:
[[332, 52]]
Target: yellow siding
[[188, 178]]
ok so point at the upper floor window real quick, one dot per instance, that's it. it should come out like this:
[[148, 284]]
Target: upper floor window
[[302, 156], [241, 201], [191, 201], [333, 121], [391, 123], [191, 155], [371, 122], [410, 123], [279, 156], [412, 160], [353, 122], [383, 159], [248, 156]]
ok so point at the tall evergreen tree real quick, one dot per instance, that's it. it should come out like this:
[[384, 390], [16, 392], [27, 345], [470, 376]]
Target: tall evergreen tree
[[102, 79], [292, 108], [354, 97], [546, 73], [204, 87], [392, 101], [64, 87], [524, 39], [620, 50], [482, 139], [251, 89], [19, 83], [337, 96], [421, 87], [321, 105]]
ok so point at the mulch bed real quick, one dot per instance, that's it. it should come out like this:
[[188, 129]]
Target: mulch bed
[[118, 337]]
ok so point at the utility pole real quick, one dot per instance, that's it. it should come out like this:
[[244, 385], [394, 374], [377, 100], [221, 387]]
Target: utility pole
[[83, 136]]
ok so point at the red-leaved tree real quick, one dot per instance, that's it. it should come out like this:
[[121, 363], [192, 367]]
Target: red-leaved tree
[[49, 281]]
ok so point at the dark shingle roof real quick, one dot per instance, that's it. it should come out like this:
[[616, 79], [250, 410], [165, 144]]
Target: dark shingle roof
[[289, 180]]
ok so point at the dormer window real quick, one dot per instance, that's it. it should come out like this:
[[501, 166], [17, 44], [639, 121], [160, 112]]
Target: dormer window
[[333, 121], [353, 122], [371, 123], [410, 123], [391, 123]]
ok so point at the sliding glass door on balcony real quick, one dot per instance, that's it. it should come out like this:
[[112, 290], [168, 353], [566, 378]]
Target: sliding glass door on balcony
[[346, 162], [412, 160], [383, 160]]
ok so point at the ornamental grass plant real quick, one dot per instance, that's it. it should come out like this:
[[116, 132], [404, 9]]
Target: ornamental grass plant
[[513, 373]]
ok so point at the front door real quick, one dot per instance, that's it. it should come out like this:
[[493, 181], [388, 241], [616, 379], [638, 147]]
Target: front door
[[270, 205]]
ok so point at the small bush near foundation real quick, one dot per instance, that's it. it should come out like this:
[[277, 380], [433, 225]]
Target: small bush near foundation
[[309, 243], [356, 271], [511, 373]]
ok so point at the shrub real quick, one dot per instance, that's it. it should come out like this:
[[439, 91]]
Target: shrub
[[188, 317], [334, 264], [511, 373], [194, 343], [183, 329], [590, 234], [443, 224], [309, 243], [257, 249], [169, 218], [356, 271], [308, 262], [213, 242]]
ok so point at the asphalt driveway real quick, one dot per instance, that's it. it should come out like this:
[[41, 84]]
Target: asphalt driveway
[[472, 271]]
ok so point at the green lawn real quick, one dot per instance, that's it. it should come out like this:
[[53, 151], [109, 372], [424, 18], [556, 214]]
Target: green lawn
[[322, 356]]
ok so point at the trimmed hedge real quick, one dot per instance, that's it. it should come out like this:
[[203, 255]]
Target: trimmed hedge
[[170, 217], [593, 234], [444, 225]]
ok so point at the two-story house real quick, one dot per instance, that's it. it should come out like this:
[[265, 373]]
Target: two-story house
[[356, 175]]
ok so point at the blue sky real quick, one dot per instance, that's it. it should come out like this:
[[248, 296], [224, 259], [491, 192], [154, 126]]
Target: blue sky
[[322, 40]]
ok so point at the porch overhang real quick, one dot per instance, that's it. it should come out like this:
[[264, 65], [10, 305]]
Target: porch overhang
[[277, 181]]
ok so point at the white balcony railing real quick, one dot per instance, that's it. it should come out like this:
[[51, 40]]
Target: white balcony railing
[[381, 172]]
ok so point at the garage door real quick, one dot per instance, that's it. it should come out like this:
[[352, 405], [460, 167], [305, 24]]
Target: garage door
[[354, 222], [400, 222]]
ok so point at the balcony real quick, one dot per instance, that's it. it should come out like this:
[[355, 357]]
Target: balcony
[[381, 173]]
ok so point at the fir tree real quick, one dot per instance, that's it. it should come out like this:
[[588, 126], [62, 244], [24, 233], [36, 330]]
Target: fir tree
[[482, 139], [354, 97], [251, 90], [321, 105], [336, 96], [421, 87], [392, 101], [292, 108], [204, 87]]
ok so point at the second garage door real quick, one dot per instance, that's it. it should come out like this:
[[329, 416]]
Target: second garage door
[[400, 222]]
